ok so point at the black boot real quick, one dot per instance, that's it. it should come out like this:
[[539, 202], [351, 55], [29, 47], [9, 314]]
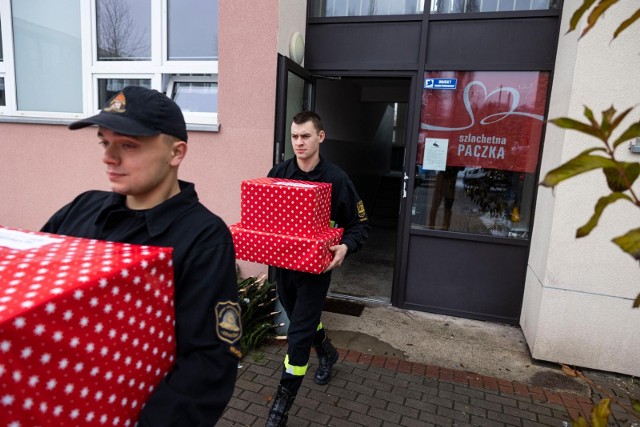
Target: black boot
[[279, 413], [327, 356]]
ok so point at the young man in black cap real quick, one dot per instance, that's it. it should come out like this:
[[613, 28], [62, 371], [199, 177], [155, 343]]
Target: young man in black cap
[[144, 137], [303, 294]]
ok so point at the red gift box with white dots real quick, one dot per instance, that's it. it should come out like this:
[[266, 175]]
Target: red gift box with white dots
[[286, 223], [86, 329], [285, 206], [280, 250]]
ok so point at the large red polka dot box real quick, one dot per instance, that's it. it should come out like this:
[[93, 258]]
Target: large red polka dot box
[[284, 206], [285, 223], [86, 329]]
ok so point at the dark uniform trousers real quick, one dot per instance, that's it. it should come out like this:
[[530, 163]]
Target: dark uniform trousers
[[302, 295]]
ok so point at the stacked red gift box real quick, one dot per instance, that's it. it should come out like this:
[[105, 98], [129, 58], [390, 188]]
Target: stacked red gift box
[[286, 223], [86, 329]]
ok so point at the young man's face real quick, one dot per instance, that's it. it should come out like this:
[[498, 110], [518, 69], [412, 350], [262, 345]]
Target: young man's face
[[306, 140], [144, 168]]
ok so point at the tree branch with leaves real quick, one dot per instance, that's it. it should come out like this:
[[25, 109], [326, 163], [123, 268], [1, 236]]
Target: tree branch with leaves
[[620, 175]]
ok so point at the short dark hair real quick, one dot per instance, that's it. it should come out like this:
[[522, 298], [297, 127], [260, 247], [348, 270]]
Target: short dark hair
[[309, 116]]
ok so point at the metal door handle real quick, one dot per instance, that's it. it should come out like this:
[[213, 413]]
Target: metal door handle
[[404, 185]]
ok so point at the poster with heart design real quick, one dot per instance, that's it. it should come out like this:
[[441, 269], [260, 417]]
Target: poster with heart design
[[492, 119]]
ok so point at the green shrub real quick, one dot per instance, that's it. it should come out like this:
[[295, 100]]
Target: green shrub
[[256, 296]]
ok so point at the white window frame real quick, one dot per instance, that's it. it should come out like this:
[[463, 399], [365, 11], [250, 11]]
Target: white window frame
[[191, 117], [156, 68], [11, 112], [6, 66], [92, 69], [3, 78]]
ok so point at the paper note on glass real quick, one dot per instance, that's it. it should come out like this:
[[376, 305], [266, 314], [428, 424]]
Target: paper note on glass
[[435, 154]]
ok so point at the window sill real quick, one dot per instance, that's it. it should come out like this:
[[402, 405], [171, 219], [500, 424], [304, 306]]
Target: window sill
[[203, 128], [36, 120], [66, 122]]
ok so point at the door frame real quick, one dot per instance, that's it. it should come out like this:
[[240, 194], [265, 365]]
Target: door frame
[[286, 66], [402, 239]]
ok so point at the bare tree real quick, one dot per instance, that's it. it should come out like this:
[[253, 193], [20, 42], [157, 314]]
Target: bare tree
[[118, 36]]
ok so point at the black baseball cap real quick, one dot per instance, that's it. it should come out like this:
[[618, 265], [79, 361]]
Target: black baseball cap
[[138, 111]]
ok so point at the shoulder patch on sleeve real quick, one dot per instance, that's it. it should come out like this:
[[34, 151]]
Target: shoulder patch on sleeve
[[361, 212], [235, 351], [228, 325]]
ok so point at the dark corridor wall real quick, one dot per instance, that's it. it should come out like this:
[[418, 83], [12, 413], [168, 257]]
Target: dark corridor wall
[[359, 134]]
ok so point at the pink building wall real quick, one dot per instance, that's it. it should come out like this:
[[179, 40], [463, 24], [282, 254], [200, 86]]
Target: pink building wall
[[45, 166]]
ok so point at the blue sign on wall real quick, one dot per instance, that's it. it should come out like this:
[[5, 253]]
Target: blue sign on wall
[[440, 83]]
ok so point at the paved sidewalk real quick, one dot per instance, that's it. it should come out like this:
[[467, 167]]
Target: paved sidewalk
[[379, 391]]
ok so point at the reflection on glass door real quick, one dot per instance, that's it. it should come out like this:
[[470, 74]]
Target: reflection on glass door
[[478, 148], [296, 102], [294, 93]]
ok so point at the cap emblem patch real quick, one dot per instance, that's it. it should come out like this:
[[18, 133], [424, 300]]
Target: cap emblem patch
[[117, 104]]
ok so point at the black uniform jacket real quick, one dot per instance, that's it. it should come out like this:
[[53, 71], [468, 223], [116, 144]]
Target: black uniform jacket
[[347, 210], [200, 385]]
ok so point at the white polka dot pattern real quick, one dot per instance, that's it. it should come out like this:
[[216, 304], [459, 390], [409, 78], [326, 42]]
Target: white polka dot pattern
[[86, 331], [279, 250], [285, 206]]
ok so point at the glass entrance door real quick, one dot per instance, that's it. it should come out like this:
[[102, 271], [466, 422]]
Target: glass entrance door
[[474, 184], [478, 151], [294, 93]]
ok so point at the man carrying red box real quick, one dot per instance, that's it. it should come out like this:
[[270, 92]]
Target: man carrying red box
[[303, 294], [144, 137]]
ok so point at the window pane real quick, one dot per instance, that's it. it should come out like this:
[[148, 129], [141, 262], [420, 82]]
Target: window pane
[[124, 30], [392, 7], [504, 5], [543, 4], [327, 8], [193, 30], [48, 56], [485, 6], [360, 8], [478, 148], [108, 88], [447, 6], [336, 7], [201, 97], [3, 100], [470, 6]]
